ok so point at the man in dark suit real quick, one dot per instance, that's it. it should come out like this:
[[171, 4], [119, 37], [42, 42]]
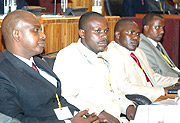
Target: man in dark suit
[[20, 4], [27, 93]]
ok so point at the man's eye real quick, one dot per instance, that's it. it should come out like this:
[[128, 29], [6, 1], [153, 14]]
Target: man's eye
[[157, 27], [36, 30], [138, 34], [97, 31], [106, 31]]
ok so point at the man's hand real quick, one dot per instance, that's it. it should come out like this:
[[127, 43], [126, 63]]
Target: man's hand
[[179, 81], [110, 118], [130, 112], [80, 118]]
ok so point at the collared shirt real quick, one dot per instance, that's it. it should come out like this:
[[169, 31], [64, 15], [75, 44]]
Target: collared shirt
[[50, 78], [152, 41], [84, 78], [155, 44]]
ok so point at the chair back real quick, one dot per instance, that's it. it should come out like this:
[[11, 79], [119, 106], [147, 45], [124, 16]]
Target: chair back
[[113, 7], [49, 58]]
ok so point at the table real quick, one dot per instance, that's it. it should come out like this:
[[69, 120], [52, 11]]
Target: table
[[171, 96]]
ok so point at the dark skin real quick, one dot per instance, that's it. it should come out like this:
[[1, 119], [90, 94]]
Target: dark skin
[[95, 37], [79, 118], [155, 30], [24, 37], [95, 34], [128, 36]]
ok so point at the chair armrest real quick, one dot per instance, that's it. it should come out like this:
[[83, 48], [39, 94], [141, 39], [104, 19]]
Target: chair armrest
[[138, 99]]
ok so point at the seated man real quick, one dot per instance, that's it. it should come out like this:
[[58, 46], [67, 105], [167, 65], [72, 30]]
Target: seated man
[[129, 68], [153, 31], [29, 90], [84, 75]]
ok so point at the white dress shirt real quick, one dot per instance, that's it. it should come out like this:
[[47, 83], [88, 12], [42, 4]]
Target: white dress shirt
[[84, 79], [51, 79]]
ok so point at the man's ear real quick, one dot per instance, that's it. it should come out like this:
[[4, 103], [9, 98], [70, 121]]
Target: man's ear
[[146, 27], [82, 33], [117, 35], [16, 35]]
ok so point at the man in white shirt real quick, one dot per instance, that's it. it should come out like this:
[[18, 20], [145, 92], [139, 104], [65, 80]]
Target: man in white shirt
[[84, 75], [153, 31], [31, 93], [128, 75]]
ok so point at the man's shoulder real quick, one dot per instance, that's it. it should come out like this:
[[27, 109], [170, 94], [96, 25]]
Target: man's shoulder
[[3, 59], [71, 47], [68, 52]]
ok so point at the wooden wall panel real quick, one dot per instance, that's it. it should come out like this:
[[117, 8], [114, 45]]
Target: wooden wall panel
[[60, 32]]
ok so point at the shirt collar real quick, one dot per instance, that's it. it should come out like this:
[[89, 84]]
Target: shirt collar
[[152, 41], [27, 61]]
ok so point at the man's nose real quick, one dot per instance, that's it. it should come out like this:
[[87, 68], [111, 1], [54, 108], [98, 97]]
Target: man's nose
[[42, 35]]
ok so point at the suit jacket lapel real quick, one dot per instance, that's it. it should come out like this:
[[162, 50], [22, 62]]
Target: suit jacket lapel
[[30, 72], [165, 53]]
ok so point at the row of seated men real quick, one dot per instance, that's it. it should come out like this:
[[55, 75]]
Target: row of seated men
[[89, 76]]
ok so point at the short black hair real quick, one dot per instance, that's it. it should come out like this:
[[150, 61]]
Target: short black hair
[[149, 17], [86, 16], [121, 23]]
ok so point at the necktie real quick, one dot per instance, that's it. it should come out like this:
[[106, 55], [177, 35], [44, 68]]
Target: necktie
[[137, 61], [34, 67], [162, 53], [159, 48]]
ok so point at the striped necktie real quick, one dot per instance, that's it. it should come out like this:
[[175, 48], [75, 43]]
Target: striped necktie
[[165, 57]]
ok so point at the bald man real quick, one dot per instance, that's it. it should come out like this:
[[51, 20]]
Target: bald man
[[29, 90]]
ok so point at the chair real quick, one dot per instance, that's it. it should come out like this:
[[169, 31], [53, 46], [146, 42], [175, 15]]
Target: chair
[[138, 99], [49, 58], [113, 7]]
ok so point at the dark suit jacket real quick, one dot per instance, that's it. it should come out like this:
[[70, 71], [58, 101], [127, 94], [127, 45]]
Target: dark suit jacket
[[20, 4], [131, 7], [25, 94]]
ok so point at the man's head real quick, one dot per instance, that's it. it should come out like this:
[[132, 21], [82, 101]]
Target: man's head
[[22, 34], [93, 30], [126, 34], [153, 26]]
